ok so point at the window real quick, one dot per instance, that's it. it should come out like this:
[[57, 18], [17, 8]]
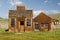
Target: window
[[46, 24], [12, 22], [28, 22], [21, 22]]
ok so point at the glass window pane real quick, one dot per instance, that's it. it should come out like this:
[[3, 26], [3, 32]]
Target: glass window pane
[[12, 22], [28, 22]]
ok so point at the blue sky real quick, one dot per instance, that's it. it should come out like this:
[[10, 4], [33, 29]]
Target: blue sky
[[47, 6]]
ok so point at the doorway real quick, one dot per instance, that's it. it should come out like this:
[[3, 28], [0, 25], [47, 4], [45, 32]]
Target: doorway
[[36, 26], [21, 26]]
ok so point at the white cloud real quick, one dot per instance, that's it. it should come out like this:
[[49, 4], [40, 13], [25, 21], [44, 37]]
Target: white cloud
[[11, 3], [18, 3], [45, 1], [58, 3], [35, 13], [15, 2], [54, 11]]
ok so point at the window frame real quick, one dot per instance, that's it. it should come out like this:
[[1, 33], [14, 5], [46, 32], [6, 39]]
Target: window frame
[[12, 22], [28, 22]]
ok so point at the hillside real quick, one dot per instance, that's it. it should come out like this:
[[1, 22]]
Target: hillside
[[3, 23], [55, 16]]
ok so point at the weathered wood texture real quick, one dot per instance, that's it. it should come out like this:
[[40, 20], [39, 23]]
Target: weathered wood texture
[[55, 21], [21, 14], [44, 21]]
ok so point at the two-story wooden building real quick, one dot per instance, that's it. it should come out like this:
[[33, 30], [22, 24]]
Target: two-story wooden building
[[21, 20]]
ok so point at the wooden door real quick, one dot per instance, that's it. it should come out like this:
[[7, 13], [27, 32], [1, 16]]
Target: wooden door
[[21, 26]]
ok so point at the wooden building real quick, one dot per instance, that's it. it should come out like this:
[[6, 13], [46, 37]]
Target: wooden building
[[55, 21], [43, 22], [21, 20]]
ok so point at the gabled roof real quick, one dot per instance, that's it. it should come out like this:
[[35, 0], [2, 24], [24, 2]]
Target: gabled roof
[[42, 18], [42, 13]]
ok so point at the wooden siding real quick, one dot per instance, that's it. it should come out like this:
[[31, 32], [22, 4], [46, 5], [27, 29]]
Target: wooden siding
[[43, 19], [20, 15]]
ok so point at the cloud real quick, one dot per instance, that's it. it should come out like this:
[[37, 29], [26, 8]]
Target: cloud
[[54, 11], [15, 2], [58, 3], [45, 1], [11, 3], [35, 13]]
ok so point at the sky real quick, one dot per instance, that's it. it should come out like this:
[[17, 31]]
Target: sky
[[46, 6]]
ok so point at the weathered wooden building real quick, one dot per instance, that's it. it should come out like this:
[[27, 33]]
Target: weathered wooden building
[[43, 22], [20, 20], [55, 21]]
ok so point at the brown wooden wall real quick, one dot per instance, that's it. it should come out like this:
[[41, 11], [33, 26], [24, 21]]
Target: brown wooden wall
[[21, 14], [43, 19], [18, 27]]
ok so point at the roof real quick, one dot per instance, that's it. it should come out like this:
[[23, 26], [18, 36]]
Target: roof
[[12, 12], [43, 18], [21, 12]]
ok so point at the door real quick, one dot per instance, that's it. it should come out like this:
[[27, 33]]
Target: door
[[21, 26]]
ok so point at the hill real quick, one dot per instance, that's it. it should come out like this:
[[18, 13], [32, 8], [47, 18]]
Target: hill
[[3, 22], [55, 16]]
